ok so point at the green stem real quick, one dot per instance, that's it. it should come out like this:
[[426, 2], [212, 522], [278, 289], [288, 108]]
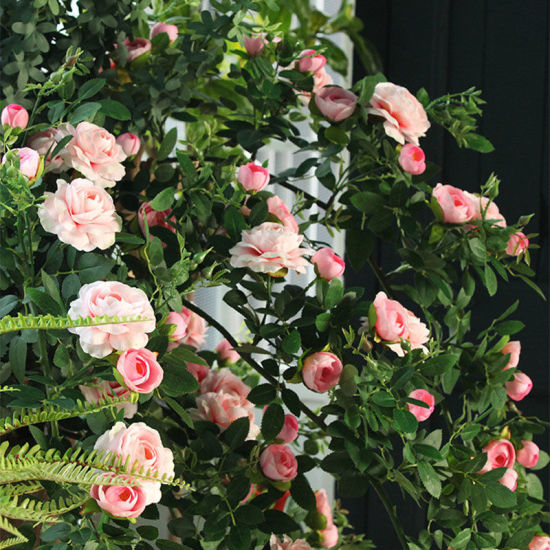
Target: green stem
[[380, 276]]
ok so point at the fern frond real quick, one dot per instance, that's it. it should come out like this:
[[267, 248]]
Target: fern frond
[[20, 489], [26, 417], [17, 538], [54, 322], [8, 388]]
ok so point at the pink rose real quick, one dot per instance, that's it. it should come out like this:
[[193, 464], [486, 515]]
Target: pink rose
[[528, 455], [329, 534], [129, 142], [514, 349], [94, 153], [44, 143], [120, 501], [80, 214], [412, 159], [143, 446], [170, 30], [405, 117], [279, 209], [517, 244], [140, 370], [279, 463], [226, 352], [321, 371], [335, 103], [457, 205], [519, 387], [419, 334], [254, 45], [15, 116], [106, 388], [113, 299], [500, 454], [253, 177], [486, 209], [287, 543], [421, 413], [328, 265], [29, 161], [540, 542], [270, 248], [190, 329], [224, 380], [136, 47], [311, 62], [155, 218], [200, 372], [290, 429], [509, 479]]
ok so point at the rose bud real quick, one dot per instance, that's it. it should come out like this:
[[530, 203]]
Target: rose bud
[[500, 454], [311, 62], [457, 205], [15, 116], [120, 501], [279, 463], [253, 177], [170, 30], [226, 352], [137, 47], [290, 429], [321, 371], [514, 349], [540, 543], [29, 161], [517, 244], [528, 455], [509, 479], [412, 159], [328, 265], [254, 45], [519, 387], [421, 413], [129, 142], [335, 103], [140, 370]]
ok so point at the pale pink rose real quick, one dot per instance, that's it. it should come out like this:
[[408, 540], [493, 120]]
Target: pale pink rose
[[180, 322], [170, 30], [335, 103], [44, 143], [405, 118], [143, 446], [412, 159], [129, 142], [15, 116], [419, 333], [223, 408], [391, 319], [136, 47], [509, 479], [140, 370], [488, 210], [29, 161], [514, 349], [321, 371], [254, 45], [290, 429], [224, 380], [80, 214], [279, 463], [519, 387], [190, 329], [320, 79], [500, 454], [226, 352], [120, 501], [528, 455], [113, 299], [517, 244], [287, 543], [421, 413], [270, 248], [457, 205], [94, 153], [280, 210], [329, 534], [311, 62], [155, 218], [540, 542], [328, 264], [253, 177], [105, 388], [200, 372]]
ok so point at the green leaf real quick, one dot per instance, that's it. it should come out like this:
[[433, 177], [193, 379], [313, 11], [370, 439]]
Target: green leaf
[[302, 493], [93, 267], [509, 327], [334, 293], [368, 84], [7, 304], [367, 202], [168, 143], [501, 496], [291, 342], [337, 135], [86, 111], [163, 200], [263, 394], [429, 478], [439, 365], [239, 538], [237, 432], [115, 109], [291, 400], [182, 413], [322, 321], [182, 355], [406, 421], [352, 417], [18, 358], [178, 380], [90, 88], [490, 280], [478, 143], [55, 532], [44, 302], [278, 523], [383, 399], [272, 421], [234, 222], [427, 450], [461, 540], [249, 514]]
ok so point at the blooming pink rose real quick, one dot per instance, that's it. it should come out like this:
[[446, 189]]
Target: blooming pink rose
[[269, 248], [223, 408], [106, 388], [289, 431], [519, 387], [509, 479], [190, 329], [486, 209], [253, 177], [94, 153], [329, 534], [140, 370], [514, 349], [335, 103], [80, 214], [419, 334], [280, 210], [457, 205], [226, 352], [155, 218], [540, 542], [528, 455], [143, 446], [321, 371], [15, 116], [120, 501], [254, 45], [517, 244], [44, 143], [421, 413], [279, 463], [287, 543], [113, 299], [200, 372], [412, 159], [405, 117], [170, 30], [29, 161], [224, 380], [328, 265], [136, 47], [311, 62], [129, 142], [500, 454]]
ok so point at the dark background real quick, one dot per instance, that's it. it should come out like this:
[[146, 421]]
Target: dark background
[[501, 47]]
